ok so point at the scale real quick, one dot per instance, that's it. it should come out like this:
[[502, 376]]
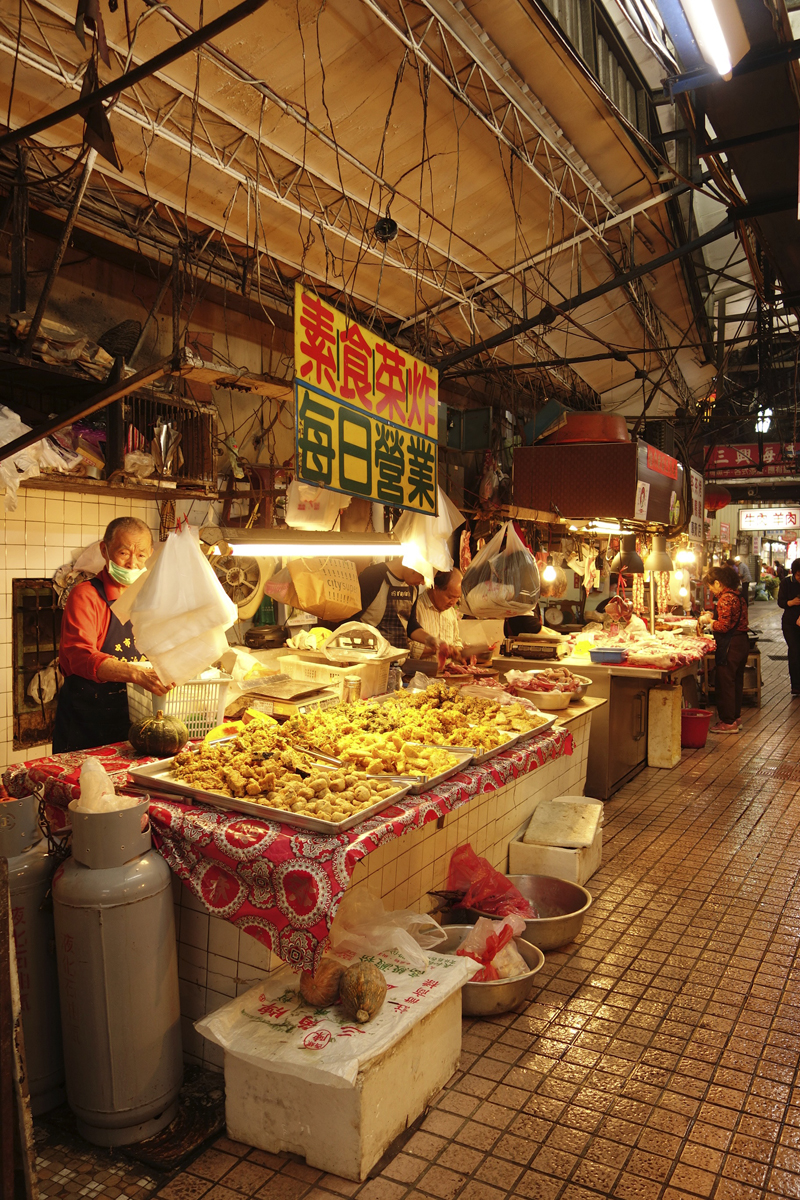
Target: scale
[[537, 649]]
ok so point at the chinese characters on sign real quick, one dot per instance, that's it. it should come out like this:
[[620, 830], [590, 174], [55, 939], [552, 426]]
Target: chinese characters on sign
[[769, 518], [695, 530], [724, 531], [742, 462], [366, 412], [663, 464]]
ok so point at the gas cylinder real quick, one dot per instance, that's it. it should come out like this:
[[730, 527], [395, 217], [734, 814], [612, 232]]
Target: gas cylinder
[[118, 978], [29, 870]]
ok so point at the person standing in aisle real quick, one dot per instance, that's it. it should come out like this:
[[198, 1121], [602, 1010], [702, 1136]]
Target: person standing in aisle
[[733, 646], [789, 601], [743, 571]]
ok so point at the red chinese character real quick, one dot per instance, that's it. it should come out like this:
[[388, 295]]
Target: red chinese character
[[356, 364], [423, 389], [390, 383], [429, 983], [791, 518], [306, 1022], [317, 321], [350, 1030], [317, 1040], [272, 1010]]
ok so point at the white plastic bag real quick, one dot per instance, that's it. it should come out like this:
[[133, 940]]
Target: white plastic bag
[[97, 791], [503, 579], [363, 926], [313, 508], [480, 943], [178, 610], [425, 538]]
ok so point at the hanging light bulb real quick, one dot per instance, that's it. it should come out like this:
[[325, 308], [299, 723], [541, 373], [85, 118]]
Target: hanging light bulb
[[682, 592], [549, 573]]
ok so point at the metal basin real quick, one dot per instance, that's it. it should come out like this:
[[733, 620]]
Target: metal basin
[[496, 995], [561, 905]]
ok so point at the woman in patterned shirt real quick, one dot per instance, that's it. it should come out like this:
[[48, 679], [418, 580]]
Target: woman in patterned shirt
[[733, 646]]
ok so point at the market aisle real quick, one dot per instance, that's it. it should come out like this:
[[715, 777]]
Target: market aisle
[[658, 1057]]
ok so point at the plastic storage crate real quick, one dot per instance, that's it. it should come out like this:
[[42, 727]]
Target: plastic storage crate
[[200, 704]]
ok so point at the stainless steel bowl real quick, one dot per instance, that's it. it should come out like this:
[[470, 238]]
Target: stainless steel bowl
[[496, 995], [561, 906], [583, 689]]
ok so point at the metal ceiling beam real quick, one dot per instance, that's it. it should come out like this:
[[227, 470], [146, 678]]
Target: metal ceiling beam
[[130, 78], [279, 192], [506, 120], [550, 313]]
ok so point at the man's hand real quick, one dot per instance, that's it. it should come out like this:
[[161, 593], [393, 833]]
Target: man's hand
[[793, 603], [147, 678]]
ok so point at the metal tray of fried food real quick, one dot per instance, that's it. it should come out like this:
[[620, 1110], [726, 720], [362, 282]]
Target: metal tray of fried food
[[482, 756], [463, 755], [158, 776], [545, 727]]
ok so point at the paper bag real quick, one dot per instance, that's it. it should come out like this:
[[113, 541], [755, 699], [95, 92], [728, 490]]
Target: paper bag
[[326, 587]]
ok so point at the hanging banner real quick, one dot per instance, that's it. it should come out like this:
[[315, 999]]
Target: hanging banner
[[366, 412], [695, 528]]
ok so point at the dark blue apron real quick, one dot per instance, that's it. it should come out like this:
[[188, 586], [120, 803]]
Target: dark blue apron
[[95, 714]]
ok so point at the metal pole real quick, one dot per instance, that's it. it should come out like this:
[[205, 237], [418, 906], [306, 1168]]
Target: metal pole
[[84, 103], [159, 300], [61, 249]]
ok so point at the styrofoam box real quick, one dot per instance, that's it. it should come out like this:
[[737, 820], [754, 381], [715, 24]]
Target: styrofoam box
[[574, 865], [574, 861], [345, 1129], [374, 676]]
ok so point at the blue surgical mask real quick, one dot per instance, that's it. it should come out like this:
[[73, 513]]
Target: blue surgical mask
[[124, 575]]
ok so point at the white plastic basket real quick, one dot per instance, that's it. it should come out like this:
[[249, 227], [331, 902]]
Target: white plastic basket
[[200, 704]]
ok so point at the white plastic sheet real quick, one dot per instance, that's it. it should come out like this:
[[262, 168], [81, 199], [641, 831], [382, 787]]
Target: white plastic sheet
[[178, 609], [272, 1027], [363, 926]]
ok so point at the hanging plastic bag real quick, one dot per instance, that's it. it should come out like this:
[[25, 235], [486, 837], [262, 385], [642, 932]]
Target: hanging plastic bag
[[503, 579], [482, 887], [178, 610], [326, 587], [313, 508], [363, 926], [492, 944]]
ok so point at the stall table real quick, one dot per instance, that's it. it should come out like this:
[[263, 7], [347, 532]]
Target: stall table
[[618, 742]]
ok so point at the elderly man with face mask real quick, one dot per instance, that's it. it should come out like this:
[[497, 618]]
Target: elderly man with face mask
[[433, 624], [98, 655]]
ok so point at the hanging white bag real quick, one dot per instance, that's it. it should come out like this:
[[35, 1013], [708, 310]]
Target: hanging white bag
[[503, 579], [179, 610]]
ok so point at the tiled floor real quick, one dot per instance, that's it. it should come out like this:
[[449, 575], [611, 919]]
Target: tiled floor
[[658, 1057]]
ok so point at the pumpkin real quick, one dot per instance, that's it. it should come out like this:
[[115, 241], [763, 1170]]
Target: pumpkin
[[322, 989], [362, 991], [159, 736]]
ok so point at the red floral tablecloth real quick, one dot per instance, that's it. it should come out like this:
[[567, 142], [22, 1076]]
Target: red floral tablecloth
[[279, 884]]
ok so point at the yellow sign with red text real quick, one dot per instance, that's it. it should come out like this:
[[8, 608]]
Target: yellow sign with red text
[[366, 411]]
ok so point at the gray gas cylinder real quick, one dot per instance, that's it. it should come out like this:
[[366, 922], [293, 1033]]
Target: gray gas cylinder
[[29, 870], [118, 979]]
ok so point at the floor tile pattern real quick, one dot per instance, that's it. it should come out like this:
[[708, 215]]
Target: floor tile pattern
[[658, 1057]]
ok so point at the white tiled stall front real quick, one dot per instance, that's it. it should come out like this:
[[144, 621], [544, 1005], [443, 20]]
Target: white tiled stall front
[[216, 961]]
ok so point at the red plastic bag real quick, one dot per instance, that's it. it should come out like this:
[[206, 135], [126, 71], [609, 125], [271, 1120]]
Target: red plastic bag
[[483, 887], [494, 943]]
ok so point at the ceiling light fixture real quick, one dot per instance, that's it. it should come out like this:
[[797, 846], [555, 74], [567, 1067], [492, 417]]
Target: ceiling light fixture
[[628, 559]]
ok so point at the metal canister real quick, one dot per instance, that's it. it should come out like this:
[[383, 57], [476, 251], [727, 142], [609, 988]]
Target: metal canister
[[118, 979], [352, 688]]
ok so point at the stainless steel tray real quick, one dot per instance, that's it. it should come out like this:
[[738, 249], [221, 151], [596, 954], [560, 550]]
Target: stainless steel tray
[[545, 728], [464, 756], [159, 776], [483, 756]]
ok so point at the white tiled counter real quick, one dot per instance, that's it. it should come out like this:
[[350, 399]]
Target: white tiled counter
[[216, 961]]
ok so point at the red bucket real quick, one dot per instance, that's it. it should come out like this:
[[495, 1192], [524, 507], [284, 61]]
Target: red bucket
[[694, 727]]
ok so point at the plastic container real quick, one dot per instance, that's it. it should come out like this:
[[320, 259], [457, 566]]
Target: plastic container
[[200, 704], [608, 656], [373, 675], [694, 727]]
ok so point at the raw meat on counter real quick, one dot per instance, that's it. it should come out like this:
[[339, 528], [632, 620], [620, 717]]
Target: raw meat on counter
[[552, 679]]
